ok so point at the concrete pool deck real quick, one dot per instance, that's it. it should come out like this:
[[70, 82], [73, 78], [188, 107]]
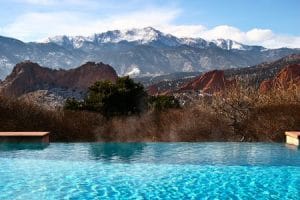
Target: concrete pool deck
[[42, 137]]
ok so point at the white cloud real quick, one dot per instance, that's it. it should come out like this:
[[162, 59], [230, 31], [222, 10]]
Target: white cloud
[[40, 25], [139, 19], [183, 30], [255, 36], [224, 31]]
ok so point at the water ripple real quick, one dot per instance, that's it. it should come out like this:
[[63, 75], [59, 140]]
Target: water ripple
[[150, 171]]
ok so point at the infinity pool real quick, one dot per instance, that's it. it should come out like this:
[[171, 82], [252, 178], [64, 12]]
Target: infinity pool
[[149, 171]]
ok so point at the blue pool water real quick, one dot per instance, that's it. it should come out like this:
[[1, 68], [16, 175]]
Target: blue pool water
[[149, 171]]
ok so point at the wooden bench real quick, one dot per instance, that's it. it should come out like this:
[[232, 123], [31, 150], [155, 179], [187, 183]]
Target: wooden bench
[[292, 137], [20, 137]]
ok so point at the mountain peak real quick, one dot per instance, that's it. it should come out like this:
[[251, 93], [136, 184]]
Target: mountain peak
[[138, 35], [143, 35], [146, 35]]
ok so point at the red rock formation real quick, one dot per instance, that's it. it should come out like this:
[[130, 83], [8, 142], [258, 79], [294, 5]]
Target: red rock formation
[[152, 90], [27, 77], [265, 86], [210, 82], [288, 76]]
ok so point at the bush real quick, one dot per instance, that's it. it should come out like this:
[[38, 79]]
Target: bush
[[125, 97], [64, 126], [73, 104], [163, 102]]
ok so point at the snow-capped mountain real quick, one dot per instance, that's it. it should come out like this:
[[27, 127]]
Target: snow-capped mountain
[[139, 36], [230, 45], [136, 52], [196, 42], [73, 42], [146, 35]]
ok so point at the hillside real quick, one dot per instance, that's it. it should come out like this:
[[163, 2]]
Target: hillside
[[288, 77], [251, 76]]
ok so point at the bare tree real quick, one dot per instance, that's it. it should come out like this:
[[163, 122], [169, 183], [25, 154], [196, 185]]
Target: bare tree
[[236, 105]]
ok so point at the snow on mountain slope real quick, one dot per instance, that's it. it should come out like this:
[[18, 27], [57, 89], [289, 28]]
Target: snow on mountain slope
[[140, 36], [195, 42], [69, 41], [144, 36], [229, 44], [133, 71]]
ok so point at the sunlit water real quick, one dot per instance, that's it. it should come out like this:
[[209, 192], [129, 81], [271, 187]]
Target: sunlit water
[[149, 171]]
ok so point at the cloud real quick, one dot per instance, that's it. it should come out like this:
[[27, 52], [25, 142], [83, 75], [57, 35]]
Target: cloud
[[37, 26], [255, 36], [140, 19], [183, 30], [224, 31], [32, 26]]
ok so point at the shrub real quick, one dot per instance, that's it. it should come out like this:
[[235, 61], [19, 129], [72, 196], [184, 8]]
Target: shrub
[[73, 104], [163, 102], [125, 97]]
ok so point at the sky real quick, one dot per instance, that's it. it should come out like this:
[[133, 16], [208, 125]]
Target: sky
[[270, 23]]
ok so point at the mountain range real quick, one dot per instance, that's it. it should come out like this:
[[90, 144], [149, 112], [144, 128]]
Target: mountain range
[[136, 52]]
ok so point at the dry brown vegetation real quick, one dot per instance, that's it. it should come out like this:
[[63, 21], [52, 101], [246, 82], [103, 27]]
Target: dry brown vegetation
[[240, 114]]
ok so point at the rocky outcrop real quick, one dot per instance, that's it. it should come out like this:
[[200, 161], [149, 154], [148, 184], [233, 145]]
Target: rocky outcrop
[[28, 77], [252, 76], [210, 82], [152, 90], [288, 76], [265, 86]]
